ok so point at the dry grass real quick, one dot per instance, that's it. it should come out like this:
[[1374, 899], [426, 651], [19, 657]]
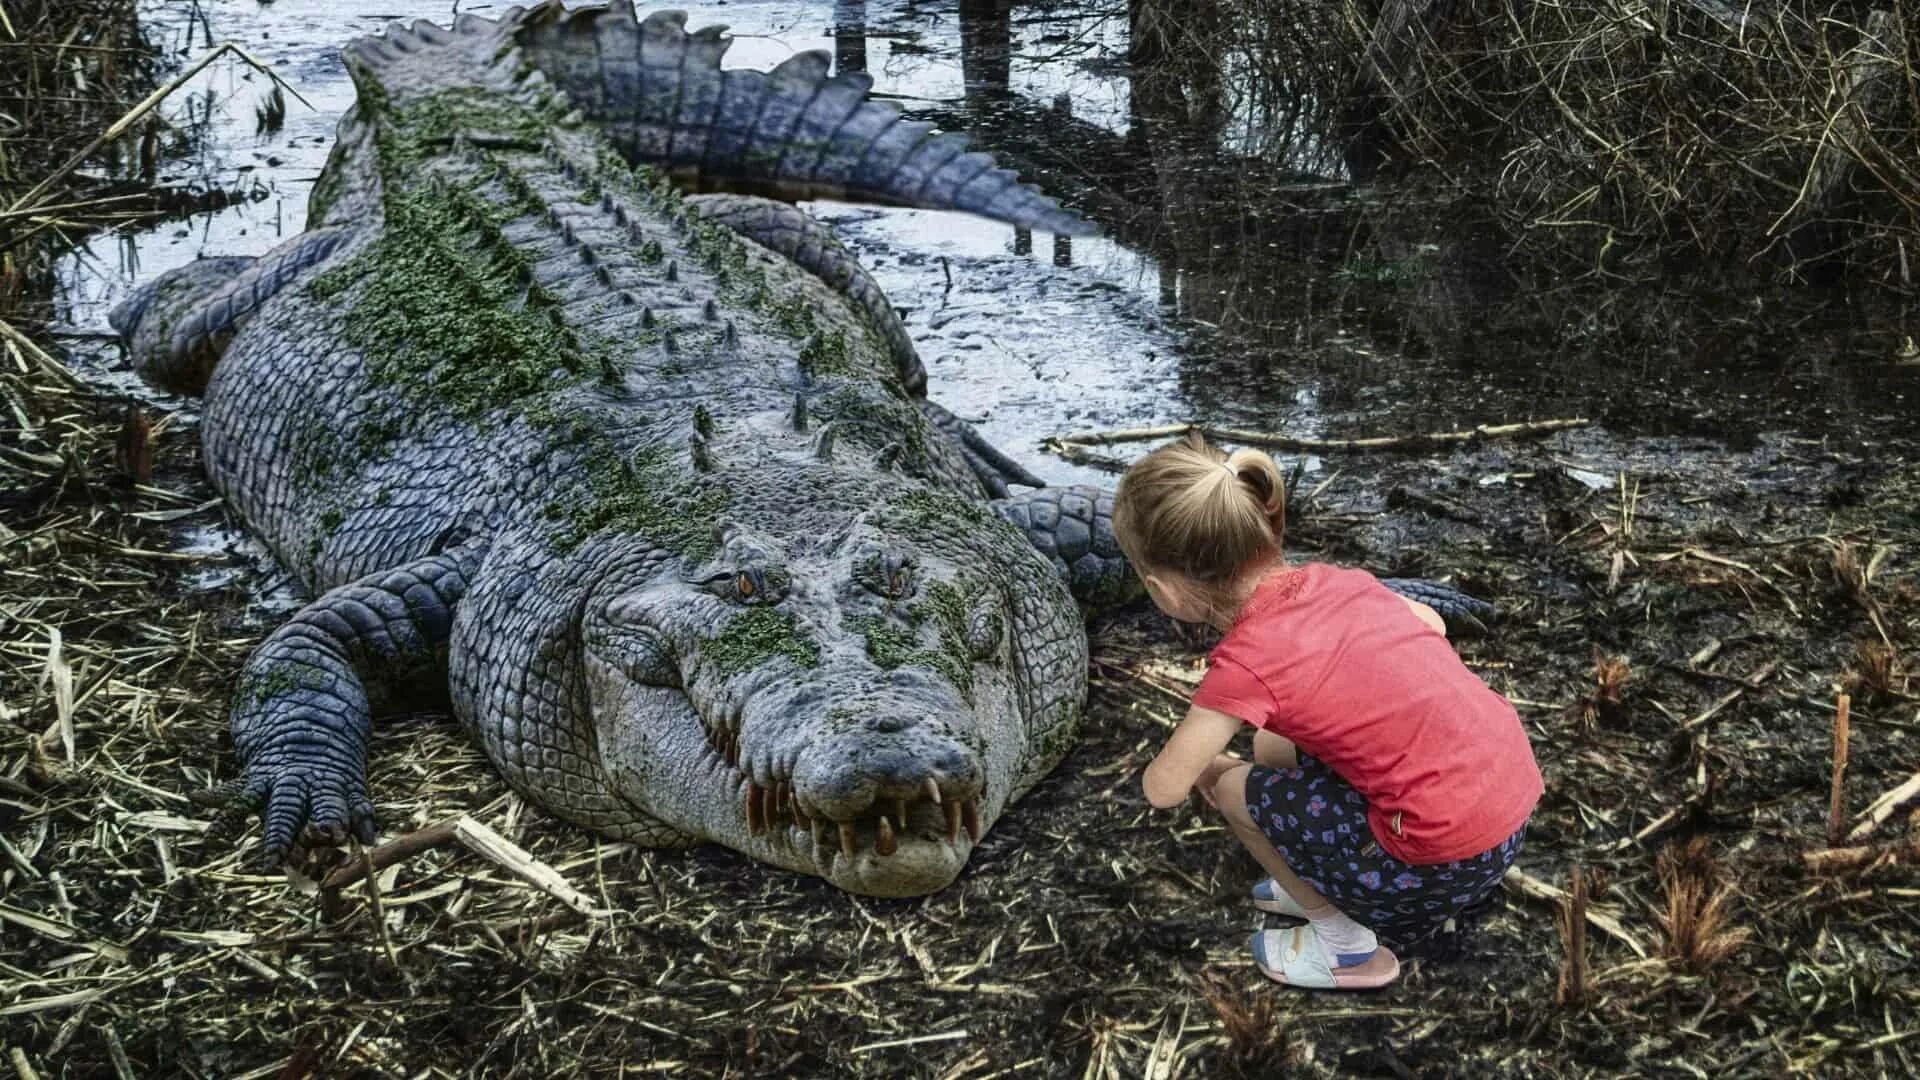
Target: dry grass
[[1702, 934], [1251, 1020], [1606, 702], [1778, 140], [1876, 673], [67, 70], [1783, 135]]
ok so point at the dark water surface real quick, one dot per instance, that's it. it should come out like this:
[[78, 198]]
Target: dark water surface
[[1258, 293]]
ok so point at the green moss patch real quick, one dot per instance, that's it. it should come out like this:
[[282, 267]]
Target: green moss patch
[[755, 637], [258, 689], [945, 608], [441, 318], [648, 495]]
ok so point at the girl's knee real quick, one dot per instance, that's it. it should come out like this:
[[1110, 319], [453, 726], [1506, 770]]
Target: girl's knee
[[1230, 794], [1275, 752]]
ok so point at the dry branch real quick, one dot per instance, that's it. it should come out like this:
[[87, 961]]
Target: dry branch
[[514, 859], [1837, 807], [1576, 983], [1864, 87], [393, 851], [1842, 859]]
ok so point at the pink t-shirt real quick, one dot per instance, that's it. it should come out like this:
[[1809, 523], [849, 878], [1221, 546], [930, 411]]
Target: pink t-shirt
[[1334, 661]]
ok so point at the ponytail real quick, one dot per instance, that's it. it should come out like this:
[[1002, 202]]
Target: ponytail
[[1190, 509]]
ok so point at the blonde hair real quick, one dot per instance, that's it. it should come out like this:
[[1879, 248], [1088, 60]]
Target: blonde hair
[[1192, 510]]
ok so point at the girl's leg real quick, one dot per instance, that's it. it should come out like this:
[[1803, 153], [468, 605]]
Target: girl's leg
[[1230, 795], [1274, 751], [1347, 944]]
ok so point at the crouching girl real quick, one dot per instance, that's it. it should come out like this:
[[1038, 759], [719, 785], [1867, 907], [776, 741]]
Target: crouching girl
[[1390, 787]]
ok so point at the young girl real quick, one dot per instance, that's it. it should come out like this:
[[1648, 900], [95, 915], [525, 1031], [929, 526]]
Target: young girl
[[1390, 786]]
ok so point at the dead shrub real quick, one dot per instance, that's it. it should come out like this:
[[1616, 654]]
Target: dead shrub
[[1701, 933]]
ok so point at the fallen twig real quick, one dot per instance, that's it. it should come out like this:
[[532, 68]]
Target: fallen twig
[[393, 851], [512, 858], [1839, 859], [1608, 923], [1885, 807], [1062, 444]]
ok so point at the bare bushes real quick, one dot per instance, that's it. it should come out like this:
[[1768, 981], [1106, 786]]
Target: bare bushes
[[67, 69], [1625, 135]]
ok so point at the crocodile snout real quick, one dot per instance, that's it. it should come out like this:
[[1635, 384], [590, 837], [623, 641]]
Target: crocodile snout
[[887, 800]]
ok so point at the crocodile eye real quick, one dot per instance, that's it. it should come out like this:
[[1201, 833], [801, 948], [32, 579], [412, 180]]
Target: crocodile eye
[[750, 585], [985, 629]]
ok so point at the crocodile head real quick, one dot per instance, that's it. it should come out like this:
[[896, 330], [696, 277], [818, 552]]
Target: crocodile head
[[856, 699]]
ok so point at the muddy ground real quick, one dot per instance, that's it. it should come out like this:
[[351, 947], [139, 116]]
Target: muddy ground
[[1091, 935], [1688, 582]]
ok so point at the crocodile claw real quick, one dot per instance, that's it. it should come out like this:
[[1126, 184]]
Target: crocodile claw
[[313, 803], [994, 469]]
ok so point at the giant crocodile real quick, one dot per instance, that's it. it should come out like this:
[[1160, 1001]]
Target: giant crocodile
[[642, 481]]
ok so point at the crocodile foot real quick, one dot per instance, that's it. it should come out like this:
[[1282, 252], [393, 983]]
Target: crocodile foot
[[1466, 616]]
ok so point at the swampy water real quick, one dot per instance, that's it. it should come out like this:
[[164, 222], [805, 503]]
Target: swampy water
[[1216, 291]]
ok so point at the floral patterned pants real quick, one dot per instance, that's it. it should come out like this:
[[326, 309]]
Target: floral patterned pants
[[1318, 824]]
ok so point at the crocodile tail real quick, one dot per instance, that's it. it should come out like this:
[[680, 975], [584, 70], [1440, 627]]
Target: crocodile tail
[[794, 132]]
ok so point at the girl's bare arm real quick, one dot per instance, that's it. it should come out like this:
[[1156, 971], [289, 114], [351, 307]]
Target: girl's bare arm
[[1200, 738]]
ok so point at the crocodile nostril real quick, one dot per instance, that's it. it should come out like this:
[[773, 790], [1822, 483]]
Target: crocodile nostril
[[886, 724]]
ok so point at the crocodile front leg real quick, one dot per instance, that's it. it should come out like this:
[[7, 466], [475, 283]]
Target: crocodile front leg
[[302, 713]]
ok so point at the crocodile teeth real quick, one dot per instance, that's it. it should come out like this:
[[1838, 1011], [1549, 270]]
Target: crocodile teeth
[[899, 812], [756, 824], [799, 812], [970, 811], [953, 821], [933, 791], [883, 841], [847, 847]]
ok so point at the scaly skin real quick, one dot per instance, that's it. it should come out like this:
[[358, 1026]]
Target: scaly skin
[[665, 504]]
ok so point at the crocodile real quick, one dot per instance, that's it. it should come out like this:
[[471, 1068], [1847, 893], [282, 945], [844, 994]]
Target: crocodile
[[572, 422]]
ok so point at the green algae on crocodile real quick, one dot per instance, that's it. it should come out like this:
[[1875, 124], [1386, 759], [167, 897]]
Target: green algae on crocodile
[[946, 609], [754, 638]]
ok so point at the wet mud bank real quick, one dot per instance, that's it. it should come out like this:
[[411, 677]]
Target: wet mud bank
[[1687, 582]]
